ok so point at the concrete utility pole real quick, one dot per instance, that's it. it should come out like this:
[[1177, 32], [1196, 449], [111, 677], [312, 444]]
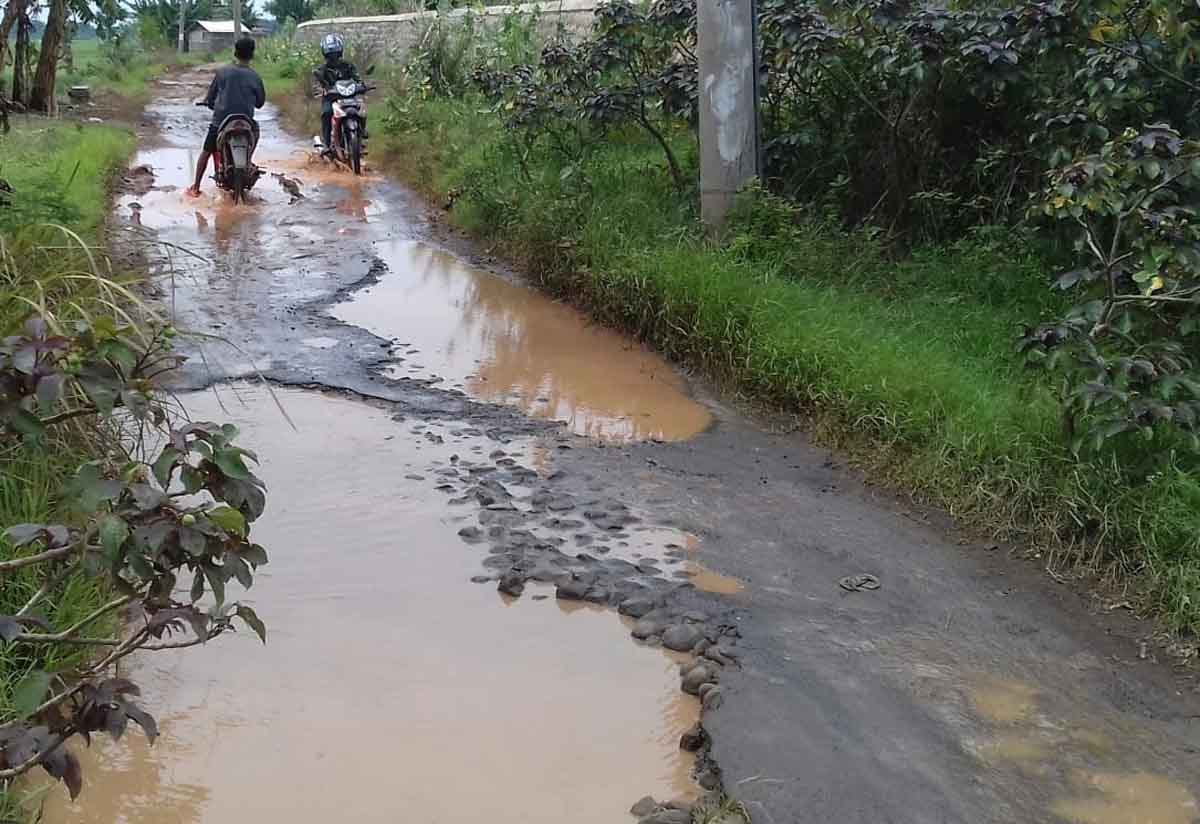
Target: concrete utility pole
[[729, 144], [237, 20], [182, 26]]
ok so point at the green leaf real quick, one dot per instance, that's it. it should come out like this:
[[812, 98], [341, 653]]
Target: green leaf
[[229, 519], [164, 467], [193, 541], [23, 422], [241, 570], [255, 555], [113, 532], [253, 621], [216, 581], [197, 586], [90, 489], [102, 383], [140, 566], [193, 479], [230, 462], [30, 692]]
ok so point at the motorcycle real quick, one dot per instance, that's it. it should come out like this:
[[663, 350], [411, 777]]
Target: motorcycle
[[234, 169], [349, 122]]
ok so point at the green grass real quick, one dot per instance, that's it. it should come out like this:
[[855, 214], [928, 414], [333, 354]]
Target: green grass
[[909, 365], [126, 74], [60, 172]]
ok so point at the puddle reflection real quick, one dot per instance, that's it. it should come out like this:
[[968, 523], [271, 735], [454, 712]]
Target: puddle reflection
[[508, 344]]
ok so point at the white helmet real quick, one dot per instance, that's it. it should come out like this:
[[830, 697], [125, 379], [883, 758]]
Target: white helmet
[[332, 45]]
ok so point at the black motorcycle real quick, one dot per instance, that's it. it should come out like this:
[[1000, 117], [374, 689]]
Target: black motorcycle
[[349, 121], [234, 169]]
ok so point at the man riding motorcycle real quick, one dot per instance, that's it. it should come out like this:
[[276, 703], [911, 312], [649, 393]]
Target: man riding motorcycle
[[335, 69], [235, 89]]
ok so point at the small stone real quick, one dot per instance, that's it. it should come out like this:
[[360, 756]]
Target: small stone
[[646, 628], [681, 637], [645, 807], [471, 534], [637, 606], [705, 689], [714, 653], [511, 584], [709, 780], [696, 677], [573, 590], [681, 804], [668, 817], [713, 699], [693, 740], [596, 595], [480, 579]]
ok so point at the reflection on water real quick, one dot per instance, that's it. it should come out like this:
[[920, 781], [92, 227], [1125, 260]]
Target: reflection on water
[[508, 344], [391, 689]]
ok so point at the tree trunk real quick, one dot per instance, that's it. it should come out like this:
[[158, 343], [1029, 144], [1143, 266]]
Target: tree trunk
[[42, 97], [12, 13], [20, 73]]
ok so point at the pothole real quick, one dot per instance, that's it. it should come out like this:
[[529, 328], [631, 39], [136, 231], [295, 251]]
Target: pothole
[[391, 688], [504, 343]]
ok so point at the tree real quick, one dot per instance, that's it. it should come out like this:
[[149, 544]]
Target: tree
[[41, 96], [12, 14], [297, 10], [21, 50]]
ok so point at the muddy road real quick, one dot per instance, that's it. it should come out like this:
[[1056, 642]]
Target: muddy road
[[505, 542]]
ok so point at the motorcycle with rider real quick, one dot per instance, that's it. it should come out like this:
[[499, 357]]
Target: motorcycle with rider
[[343, 111], [234, 95]]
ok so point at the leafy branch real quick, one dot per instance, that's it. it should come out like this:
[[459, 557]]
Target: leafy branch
[[140, 521]]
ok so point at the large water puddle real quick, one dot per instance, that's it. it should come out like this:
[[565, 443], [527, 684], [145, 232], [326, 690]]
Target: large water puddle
[[391, 688], [504, 343], [497, 341]]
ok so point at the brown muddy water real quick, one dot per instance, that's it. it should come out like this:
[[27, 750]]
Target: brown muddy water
[[504, 343], [390, 689]]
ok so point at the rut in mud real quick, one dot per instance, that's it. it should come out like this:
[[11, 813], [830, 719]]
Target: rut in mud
[[485, 496]]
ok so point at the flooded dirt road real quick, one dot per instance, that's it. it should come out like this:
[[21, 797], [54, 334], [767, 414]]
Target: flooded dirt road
[[515, 557]]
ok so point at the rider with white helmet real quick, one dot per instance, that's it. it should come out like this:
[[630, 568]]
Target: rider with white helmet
[[334, 69]]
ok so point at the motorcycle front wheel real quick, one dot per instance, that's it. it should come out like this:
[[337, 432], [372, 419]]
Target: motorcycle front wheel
[[354, 149]]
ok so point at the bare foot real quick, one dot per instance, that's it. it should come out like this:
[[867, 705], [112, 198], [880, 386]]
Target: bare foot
[[192, 191]]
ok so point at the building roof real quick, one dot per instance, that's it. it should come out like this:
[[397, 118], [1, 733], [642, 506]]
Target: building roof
[[216, 26]]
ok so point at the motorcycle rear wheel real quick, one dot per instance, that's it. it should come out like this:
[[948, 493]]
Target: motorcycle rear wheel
[[238, 184]]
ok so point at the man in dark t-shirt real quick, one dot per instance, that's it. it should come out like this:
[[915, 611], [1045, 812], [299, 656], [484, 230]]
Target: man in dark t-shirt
[[235, 89]]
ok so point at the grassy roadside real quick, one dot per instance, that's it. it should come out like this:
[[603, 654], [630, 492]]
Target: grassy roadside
[[908, 365], [60, 173]]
